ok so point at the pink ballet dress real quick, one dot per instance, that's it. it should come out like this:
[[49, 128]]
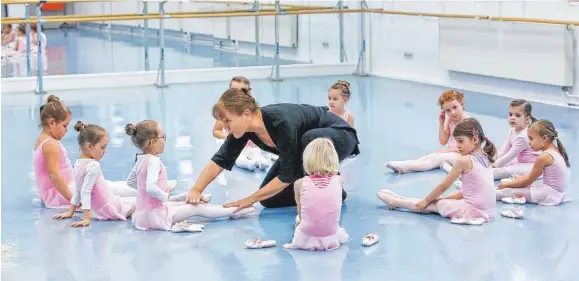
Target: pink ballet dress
[[49, 195], [451, 141], [478, 192], [92, 190], [516, 156], [152, 212], [556, 179], [321, 203]]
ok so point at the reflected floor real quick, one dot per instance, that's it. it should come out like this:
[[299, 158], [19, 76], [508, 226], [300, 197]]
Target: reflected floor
[[396, 120], [87, 51]]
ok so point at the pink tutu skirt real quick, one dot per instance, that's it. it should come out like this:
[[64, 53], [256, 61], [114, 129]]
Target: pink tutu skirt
[[305, 242], [160, 218], [460, 209], [116, 209], [543, 194], [52, 199]]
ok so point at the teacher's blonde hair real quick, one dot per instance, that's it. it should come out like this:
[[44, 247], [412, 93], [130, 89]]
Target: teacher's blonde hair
[[320, 158]]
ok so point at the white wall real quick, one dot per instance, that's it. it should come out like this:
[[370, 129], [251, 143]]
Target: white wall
[[392, 36]]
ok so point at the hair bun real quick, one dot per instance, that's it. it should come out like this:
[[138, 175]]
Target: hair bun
[[52, 98], [343, 83], [130, 129], [79, 126]]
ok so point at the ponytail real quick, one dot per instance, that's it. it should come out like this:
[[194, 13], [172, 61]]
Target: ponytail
[[563, 152], [490, 150], [533, 120]]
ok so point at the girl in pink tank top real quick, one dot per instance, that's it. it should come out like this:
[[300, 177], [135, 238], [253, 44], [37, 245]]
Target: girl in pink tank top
[[338, 97], [452, 105], [552, 164], [319, 200], [475, 202], [52, 168], [516, 157], [99, 199], [156, 208]]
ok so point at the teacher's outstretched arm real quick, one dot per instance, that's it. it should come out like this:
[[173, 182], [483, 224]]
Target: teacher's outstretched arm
[[274, 187], [208, 175]]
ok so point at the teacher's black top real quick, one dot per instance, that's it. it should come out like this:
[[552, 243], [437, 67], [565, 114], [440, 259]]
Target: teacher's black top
[[286, 124]]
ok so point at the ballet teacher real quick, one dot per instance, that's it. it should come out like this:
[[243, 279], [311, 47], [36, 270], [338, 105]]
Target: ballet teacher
[[282, 129]]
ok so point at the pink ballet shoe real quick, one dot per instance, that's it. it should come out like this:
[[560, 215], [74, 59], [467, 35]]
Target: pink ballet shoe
[[259, 244], [243, 213], [369, 239], [386, 197], [184, 226], [514, 200], [513, 213]]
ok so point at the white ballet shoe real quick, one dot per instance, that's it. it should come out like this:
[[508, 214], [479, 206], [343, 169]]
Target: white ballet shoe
[[206, 198], [469, 221], [243, 213], [369, 239], [513, 212], [514, 200], [259, 244], [445, 166], [184, 226]]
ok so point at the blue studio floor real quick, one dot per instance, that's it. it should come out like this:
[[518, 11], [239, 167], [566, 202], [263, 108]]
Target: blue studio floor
[[395, 120], [88, 51]]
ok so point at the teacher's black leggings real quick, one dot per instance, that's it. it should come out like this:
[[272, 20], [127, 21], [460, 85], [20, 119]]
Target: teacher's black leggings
[[345, 142]]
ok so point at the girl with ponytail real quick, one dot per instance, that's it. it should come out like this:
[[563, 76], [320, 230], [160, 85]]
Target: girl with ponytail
[[475, 202], [552, 164]]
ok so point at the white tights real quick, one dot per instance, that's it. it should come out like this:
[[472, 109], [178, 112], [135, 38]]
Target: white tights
[[184, 210], [424, 163], [393, 201], [121, 188]]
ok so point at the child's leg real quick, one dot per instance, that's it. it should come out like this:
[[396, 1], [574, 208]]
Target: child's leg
[[181, 197], [184, 211], [394, 201], [121, 188], [524, 192], [130, 201], [510, 171], [424, 163]]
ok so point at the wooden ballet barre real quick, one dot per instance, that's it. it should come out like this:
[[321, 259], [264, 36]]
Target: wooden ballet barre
[[65, 17], [186, 15], [482, 17], [305, 7]]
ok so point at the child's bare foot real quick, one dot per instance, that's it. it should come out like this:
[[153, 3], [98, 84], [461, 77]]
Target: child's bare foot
[[388, 199]]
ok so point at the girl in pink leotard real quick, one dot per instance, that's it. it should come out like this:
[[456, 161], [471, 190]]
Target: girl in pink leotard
[[516, 157], [552, 164], [319, 200], [338, 97], [52, 168], [475, 203], [156, 208], [98, 197], [452, 104]]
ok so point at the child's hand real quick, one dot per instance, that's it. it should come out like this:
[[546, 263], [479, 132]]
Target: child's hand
[[82, 223], [441, 117], [65, 215], [422, 205]]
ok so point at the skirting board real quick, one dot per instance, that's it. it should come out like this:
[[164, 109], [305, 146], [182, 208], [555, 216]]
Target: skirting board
[[554, 97], [178, 76]]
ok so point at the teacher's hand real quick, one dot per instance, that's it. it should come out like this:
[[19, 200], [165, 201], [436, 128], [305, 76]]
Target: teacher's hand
[[241, 204], [193, 196]]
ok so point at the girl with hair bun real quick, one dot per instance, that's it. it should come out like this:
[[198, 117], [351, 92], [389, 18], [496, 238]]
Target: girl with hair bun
[[98, 197]]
